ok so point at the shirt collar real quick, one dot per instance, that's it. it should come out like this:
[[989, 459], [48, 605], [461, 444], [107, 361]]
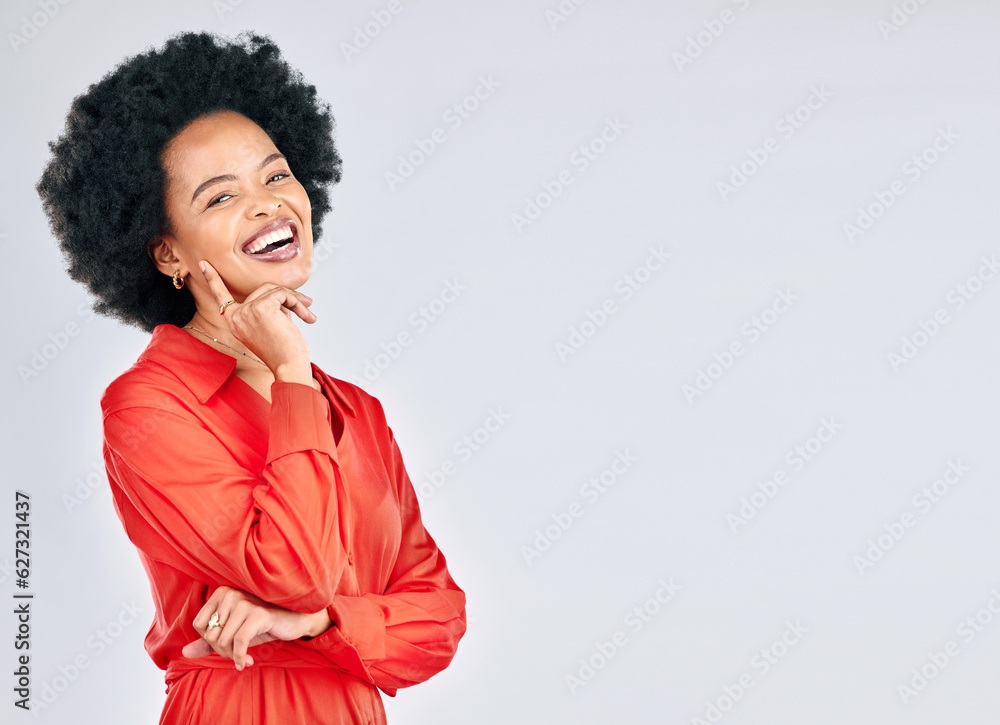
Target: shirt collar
[[202, 368]]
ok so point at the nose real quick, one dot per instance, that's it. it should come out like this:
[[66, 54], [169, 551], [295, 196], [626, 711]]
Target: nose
[[262, 201]]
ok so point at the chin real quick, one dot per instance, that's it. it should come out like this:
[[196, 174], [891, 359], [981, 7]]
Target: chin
[[294, 279]]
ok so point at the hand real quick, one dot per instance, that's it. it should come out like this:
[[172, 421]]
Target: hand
[[247, 621], [263, 322]]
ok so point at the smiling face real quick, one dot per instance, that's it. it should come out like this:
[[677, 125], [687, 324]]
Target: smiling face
[[228, 192]]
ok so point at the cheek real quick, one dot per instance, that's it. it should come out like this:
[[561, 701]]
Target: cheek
[[302, 201], [213, 236]]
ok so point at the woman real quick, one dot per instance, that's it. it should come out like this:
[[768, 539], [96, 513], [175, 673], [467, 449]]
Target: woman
[[290, 570]]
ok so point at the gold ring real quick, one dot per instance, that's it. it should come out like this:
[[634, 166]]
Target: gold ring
[[213, 622], [223, 307]]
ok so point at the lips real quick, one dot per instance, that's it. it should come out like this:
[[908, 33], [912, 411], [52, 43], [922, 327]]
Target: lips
[[279, 232]]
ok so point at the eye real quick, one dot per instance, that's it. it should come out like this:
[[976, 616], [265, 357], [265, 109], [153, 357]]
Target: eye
[[276, 176]]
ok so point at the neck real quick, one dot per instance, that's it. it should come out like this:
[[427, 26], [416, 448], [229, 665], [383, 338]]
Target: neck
[[219, 332]]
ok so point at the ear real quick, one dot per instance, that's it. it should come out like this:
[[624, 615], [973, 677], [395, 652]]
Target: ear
[[160, 250]]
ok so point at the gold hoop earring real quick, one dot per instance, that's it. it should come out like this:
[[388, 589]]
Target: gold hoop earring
[[178, 280]]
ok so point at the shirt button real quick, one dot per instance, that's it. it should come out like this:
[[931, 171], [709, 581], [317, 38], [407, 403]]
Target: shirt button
[[350, 559]]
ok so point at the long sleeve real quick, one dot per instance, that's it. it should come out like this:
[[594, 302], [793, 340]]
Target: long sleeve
[[409, 631], [280, 533], [301, 500]]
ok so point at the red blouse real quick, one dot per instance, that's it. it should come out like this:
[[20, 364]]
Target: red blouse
[[216, 486]]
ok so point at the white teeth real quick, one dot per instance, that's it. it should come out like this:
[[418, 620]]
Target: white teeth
[[283, 233]]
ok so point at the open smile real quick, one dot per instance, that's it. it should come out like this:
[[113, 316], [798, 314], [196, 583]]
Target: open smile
[[276, 242]]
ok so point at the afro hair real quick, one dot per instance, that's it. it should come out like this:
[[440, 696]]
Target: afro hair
[[103, 187]]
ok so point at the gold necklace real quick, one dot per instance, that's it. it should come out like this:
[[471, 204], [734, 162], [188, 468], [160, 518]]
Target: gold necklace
[[188, 327]]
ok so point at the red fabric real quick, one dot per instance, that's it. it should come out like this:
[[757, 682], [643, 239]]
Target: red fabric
[[216, 486]]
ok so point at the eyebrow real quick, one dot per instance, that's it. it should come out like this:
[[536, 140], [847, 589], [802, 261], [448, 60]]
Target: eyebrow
[[229, 177]]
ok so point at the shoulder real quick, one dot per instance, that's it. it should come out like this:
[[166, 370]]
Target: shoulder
[[146, 384], [358, 401], [369, 426]]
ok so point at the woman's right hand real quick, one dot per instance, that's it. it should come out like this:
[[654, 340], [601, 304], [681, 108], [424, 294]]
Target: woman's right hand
[[263, 322]]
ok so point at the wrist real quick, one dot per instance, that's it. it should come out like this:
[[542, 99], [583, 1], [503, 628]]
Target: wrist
[[318, 624], [289, 373]]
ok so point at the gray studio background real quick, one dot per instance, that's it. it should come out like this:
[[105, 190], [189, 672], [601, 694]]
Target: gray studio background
[[715, 573]]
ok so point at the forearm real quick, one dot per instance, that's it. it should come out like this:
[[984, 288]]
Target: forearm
[[394, 640], [276, 532]]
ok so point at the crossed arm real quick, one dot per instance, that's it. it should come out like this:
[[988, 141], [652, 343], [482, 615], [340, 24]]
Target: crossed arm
[[278, 553]]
